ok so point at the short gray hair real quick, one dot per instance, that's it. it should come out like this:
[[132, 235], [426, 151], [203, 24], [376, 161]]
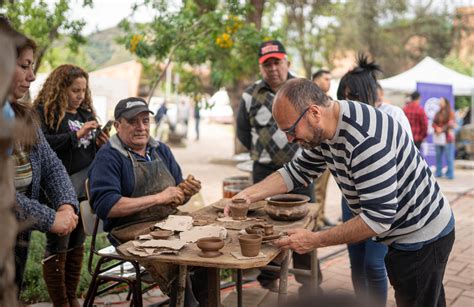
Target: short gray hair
[[302, 93]]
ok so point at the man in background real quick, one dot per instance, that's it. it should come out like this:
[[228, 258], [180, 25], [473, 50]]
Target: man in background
[[417, 117]]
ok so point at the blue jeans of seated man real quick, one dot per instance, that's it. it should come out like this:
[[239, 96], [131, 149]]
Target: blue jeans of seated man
[[369, 276], [448, 151]]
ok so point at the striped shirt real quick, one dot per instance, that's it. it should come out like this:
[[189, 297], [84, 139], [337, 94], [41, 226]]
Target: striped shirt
[[382, 176]]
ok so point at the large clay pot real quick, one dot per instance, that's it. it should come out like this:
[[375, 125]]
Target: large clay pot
[[250, 245], [210, 247], [287, 207], [239, 209]]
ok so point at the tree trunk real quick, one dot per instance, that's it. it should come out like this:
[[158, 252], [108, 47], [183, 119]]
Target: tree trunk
[[256, 14]]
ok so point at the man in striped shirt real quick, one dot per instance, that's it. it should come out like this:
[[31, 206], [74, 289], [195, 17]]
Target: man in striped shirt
[[388, 185]]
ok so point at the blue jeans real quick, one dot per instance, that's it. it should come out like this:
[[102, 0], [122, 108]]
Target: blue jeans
[[448, 151], [369, 276]]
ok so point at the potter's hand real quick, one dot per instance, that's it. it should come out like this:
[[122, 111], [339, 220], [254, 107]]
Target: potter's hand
[[190, 186], [299, 240], [172, 196]]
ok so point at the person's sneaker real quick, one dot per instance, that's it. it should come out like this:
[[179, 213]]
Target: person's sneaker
[[272, 286]]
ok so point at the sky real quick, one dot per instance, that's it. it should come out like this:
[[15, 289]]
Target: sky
[[108, 13]]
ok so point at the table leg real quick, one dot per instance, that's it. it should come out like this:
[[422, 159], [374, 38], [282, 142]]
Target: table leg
[[314, 271], [283, 287], [183, 270], [214, 286], [239, 288]]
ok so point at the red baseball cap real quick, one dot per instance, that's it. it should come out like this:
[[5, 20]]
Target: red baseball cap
[[271, 49]]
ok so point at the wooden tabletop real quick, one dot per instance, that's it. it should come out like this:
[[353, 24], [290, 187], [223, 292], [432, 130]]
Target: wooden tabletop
[[188, 255]]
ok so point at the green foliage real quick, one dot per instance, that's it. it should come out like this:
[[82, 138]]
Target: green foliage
[[34, 288], [45, 24], [196, 33]]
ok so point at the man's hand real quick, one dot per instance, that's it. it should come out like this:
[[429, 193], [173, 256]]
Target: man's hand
[[299, 240], [172, 196], [190, 186], [65, 221], [241, 195]]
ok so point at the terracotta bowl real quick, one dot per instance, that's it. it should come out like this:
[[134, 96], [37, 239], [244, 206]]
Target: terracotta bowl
[[239, 209], [210, 247], [161, 234], [287, 207], [250, 245]]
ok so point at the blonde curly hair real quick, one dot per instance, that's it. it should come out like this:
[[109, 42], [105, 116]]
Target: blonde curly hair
[[53, 95]]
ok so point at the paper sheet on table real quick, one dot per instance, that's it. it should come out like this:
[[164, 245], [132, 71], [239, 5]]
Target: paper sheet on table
[[169, 244], [199, 232], [176, 223]]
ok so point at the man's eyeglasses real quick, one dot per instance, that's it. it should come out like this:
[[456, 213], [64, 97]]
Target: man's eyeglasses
[[291, 130]]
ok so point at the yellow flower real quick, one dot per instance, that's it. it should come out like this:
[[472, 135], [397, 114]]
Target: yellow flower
[[136, 39]]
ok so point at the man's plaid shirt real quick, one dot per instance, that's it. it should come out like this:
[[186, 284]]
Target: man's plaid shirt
[[258, 131], [418, 120]]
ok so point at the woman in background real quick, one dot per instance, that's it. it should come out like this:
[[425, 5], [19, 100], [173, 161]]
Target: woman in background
[[37, 168], [68, 121], [444, 123]]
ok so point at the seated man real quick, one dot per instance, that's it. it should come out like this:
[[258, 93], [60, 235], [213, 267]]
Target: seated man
[[135, 181]]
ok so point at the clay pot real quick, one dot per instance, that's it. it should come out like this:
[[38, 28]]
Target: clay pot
[[256, 229], [210, 247], [161, 234], [239, 209], [268, 229], [287, 207], [250, 245]]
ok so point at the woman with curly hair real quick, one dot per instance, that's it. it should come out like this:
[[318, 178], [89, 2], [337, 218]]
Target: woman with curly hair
[[68, 121], [444, 123], [37, 168]]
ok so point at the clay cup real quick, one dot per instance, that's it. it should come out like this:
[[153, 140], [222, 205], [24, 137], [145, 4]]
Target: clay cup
[[250, 245], [239, 209]]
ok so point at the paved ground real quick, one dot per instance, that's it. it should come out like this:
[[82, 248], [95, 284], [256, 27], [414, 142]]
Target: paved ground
[[209, 160]]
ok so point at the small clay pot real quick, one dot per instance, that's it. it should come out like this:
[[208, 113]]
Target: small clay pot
[[268, 229], [239, 209], [161, 234], [250, 245], [210, 247], [256, 229]]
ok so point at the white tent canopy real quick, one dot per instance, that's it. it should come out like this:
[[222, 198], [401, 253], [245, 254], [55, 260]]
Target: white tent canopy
[[429, 71]]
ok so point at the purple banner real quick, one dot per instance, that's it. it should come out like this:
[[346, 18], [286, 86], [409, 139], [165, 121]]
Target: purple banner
[[430, 94]]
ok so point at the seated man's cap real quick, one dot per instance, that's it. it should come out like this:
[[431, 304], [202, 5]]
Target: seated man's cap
[[271, 49], [130, 107]]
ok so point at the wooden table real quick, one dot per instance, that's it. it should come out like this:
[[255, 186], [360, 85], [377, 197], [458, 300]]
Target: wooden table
[[188, 255]]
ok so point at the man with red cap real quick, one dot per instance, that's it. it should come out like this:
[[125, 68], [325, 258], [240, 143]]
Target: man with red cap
[[259, 133]]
